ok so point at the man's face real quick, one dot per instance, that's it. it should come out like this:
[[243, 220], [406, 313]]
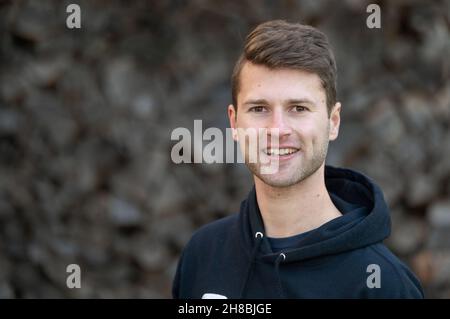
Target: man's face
[[291, 106]]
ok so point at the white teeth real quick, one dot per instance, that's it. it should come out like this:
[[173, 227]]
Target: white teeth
[[280, 151]]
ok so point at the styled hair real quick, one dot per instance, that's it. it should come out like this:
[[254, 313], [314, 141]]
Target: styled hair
[[280, 44]]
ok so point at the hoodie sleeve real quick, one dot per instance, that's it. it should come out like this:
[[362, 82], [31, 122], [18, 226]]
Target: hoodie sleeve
[[177, 281], [398, 286], [184, 282], [397, 280]]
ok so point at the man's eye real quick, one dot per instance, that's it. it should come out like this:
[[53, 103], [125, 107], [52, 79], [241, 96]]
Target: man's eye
[[299, 108], [257, 109]]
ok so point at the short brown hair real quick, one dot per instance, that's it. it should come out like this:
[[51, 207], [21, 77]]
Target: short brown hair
[[280, 44]]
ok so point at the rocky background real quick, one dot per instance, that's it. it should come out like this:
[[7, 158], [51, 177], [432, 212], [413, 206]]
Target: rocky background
[[86, 116]]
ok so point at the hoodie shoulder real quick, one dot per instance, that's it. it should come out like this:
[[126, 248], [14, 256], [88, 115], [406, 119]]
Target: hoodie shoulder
[[396, 280], [200, 251], [216, 230]]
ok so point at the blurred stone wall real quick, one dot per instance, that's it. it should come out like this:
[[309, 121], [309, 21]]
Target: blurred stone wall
[[86, 117]]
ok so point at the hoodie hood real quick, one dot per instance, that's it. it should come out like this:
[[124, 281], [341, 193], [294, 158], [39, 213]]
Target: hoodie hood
[[365, 221], [369, 223]]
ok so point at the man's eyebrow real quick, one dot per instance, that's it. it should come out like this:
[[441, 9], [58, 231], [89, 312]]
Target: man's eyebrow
[[300, 101], [258, 101], [290, 101]]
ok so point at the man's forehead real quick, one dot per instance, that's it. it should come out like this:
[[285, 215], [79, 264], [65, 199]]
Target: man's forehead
[[285, 85]]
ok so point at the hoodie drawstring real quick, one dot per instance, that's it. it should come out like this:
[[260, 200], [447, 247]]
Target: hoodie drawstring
[[281, 257], [259, 236]]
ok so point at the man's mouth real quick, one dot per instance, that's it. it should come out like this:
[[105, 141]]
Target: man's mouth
[[281, 151]]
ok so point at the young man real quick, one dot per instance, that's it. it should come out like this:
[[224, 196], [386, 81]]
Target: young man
[[307, 230]]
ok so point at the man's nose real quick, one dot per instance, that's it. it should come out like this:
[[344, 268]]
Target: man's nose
[[279, 124]]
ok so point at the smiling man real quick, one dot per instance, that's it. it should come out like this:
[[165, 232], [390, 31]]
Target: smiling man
[[306, 230]]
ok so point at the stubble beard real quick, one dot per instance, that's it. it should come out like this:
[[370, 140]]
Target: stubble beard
[[301, 170]]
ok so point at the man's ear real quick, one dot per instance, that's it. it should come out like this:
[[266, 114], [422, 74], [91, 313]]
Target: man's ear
[[335, 121], [232, 117]]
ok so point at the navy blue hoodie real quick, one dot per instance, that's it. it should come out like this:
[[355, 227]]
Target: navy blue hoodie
[[343, 258]]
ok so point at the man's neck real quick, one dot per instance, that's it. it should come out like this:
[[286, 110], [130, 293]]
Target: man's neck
[[295, 209]]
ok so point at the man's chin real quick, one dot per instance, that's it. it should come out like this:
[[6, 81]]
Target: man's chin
[[285, 177], [279, 179], [279, 183]]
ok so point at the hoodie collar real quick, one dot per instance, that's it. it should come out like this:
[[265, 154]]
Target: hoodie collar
[[371, 222]]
